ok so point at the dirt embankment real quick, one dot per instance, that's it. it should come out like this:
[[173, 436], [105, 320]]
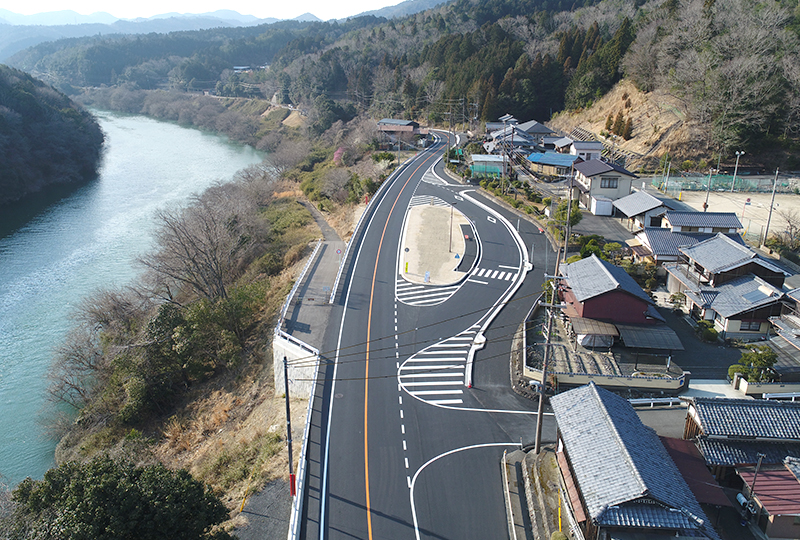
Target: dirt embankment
[[659, 121]]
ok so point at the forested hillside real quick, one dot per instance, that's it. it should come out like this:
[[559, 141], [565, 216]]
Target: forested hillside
[[45, 138], [731, 64]]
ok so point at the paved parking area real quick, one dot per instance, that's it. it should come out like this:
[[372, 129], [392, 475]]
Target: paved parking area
[[704, 360]]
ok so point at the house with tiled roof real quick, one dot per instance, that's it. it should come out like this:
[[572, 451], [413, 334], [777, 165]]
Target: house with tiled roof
[[596, 289], [535, 129], [641, 209], [786, 341], [728, 283], [620, 480], [734, 436], [660, 245], [775, 494], [598, 183], [604, 302], [733, 432], [702, 222], [586, 150]]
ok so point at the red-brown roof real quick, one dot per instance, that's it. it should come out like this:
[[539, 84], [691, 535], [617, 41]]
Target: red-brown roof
[[777, 490], [693, 468], [572, 489]]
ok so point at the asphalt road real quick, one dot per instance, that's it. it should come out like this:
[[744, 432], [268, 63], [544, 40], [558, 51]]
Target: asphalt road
[[401, 446]]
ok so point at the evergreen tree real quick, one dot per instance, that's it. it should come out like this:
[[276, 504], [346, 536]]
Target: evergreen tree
[[609, 121], [619, 124], [627, 131]]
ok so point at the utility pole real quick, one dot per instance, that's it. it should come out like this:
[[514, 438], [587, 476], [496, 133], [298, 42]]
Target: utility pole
[[750, 505], [540, 410], [292, 487], [771, 205]]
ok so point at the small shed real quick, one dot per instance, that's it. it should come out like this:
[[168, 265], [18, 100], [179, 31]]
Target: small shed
[[602, 206], [487, 165]]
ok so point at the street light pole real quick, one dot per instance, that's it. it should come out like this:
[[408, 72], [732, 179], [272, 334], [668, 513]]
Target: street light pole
[[450, 242], [708, 190], [771, 205], [736, 168]]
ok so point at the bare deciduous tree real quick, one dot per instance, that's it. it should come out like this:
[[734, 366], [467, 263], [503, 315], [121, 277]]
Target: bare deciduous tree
[[204, 246], [335, 184], [287, 155], [79, 367]]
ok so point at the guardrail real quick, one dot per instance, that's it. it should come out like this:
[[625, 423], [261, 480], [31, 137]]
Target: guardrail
[[357, 231], [297, 503], [656, 401], [288, 300], [782, 395]]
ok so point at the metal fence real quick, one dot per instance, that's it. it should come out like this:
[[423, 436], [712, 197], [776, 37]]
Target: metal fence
[[673, 185]]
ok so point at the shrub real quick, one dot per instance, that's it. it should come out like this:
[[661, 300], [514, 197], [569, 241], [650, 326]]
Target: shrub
[[734, 369], [709, 335]]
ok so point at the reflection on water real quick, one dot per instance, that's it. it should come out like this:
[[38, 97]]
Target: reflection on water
[[57, 248]]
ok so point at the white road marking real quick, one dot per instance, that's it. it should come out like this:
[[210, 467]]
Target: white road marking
[[476, 281], [508, 267], [404, 445], [433, 383], [440, 456], [440, 402], [491, 219], [434, 392], [423, 375], [494, 274]]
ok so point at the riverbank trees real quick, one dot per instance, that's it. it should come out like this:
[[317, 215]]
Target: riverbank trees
[[45, 138]]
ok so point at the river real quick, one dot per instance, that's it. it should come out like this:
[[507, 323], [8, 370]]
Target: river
[[52, 256]]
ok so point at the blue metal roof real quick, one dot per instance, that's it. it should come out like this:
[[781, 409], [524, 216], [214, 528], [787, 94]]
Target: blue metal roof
[[553, 159]]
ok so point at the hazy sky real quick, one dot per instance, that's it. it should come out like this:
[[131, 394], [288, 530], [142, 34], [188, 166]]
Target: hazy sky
[[324, 9]]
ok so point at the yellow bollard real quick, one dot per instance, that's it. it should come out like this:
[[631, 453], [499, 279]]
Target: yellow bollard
[[406, 267], [559, 510]]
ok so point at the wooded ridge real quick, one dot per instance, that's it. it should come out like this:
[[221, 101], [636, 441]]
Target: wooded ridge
[[731, 64], [45, 138]]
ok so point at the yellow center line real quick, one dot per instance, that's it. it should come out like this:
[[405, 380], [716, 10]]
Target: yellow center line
[[366, 368]]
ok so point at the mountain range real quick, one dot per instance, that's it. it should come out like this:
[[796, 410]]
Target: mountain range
[[18, 32]]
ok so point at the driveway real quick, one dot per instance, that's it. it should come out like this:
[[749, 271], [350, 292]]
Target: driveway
[[611, 228], [704, 360]]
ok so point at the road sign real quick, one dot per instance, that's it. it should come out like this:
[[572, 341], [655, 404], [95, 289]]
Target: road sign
[[338, 251], [457, 257]]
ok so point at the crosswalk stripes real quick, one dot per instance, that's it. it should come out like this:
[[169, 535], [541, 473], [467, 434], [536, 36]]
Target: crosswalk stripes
[[420, 200], [436, 373], [420, 294], [431, 178], [491, 273]]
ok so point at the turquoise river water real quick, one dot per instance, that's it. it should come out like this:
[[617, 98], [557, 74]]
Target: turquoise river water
[[53, 255]]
